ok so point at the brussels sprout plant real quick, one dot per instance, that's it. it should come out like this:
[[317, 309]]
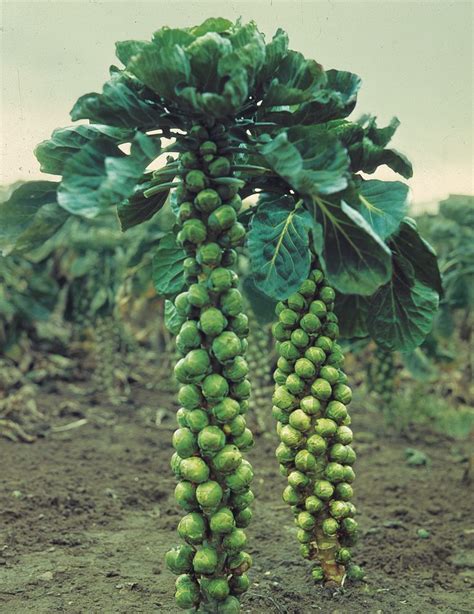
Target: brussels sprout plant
[[197, 120]]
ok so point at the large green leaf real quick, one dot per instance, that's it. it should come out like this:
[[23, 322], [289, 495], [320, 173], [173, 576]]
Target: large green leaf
[[138, 208], [278, 244], [312, 161], [409, 244], [354, 258], [351, 310], [124, 102], [101, 175], [65, 142], [383, 204], [168, 273], [401, 312], [367, 157], [29, 217], [263, 307]]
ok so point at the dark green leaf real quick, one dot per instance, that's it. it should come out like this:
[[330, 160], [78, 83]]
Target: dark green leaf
[[263, 307], [29, 217], [401, 312], [351, 310], [408, 243], [378, 136], [313, 162], [367, 157], [168, 273], [278, 245], [138, 209], [383, 204], [125, 50], [213, 24], [65, 142], [355, 259]]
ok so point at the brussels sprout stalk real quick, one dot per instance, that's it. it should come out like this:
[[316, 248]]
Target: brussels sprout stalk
[[310, 405], [214, 479]]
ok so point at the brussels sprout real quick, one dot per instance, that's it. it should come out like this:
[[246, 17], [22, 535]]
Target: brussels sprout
[[208, 147], [299, 338], [317, 574], [330, 374], [240, 325], [231, 302], [306, 521], [205, 560], [354, 572], [226, 346], [317, 276], [350, 526], [184, 442], [338, 452], [334, 472], [351, 456], [330, 526], [239, 584], [236, 370], [338, 509], [227, 460], [310, 405], [299, 420], [209, 254], [240, 501], [305, 461], [344, 491], [316, 445], [318, 308], [181, 373], [194, 469], [209, 494], [185, 494], [230, 606], [245, 441], [296, 302], [349, 475], [321, 389], [280, 331], [284, 453], [343, 435], [323, 489], [324, 343], [220, 280], [197, 362], [279, 377], [241, 390], [294, 383], [234, 541], [307, 288], [226, 410], [179, 560], [288, 350], [198, 296], [229, 257], [191, 268], [297, 480], [197, 419], [189, 159], [288, 317], [215, 387], [327, 295], [244, 406], [211, 439], [181, 304], [189, 337], [305, 368], [304, 537], [331, 329], [325, 427], [234, 236], [239, 563], [192, 528], [343, 556], [240, 479], [292, 496], [196, 180], [212, 322], [222, 218], [235, 427], [243, 518], [181, 417], [316, 355], [283, 399], [222, 521], [310, 323], [194, 231], [207, 200], [305, 551], [313, 504], [290, 436]]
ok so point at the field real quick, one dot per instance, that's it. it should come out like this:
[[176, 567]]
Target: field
[[88, 513]]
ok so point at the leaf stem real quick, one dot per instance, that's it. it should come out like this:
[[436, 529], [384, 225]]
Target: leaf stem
[[162, 187]]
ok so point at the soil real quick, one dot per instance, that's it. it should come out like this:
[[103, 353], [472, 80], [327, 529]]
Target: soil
[[87, 514]]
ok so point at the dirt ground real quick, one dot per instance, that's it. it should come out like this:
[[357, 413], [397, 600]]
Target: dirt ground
[[87, 514]]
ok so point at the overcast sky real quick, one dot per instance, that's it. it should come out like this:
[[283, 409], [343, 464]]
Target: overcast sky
[[415, 59]]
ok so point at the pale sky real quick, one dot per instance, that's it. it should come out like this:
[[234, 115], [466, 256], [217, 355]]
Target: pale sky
[[415, 59]]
